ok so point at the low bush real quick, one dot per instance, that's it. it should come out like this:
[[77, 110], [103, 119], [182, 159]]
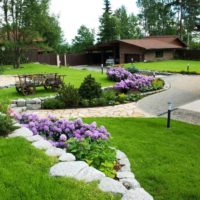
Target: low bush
[[133, 69], [158, 84], [109, 95], [6, 125], [90, 89], [53, 104], [96, 153], [69, 96]]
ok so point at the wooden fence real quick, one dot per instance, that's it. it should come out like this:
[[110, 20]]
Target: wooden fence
[[187, 54]]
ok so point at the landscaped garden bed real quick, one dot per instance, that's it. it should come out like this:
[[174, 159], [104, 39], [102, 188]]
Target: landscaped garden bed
[[128, 88]]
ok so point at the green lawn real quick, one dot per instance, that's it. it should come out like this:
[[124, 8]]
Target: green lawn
[[73, 76], [169, 66], [165, 161], [24, 173]]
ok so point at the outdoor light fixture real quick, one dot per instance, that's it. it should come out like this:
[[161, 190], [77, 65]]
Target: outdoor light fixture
[[102, 68], [169, 114], [3, 48]]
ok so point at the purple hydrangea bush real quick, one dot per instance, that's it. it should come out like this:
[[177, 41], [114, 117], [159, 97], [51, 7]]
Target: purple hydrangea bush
[[118, 74], [58, 131], [134, 82]]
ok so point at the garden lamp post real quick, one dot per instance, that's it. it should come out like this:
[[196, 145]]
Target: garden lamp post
[[102, 68], [169, 114], [2, 50]]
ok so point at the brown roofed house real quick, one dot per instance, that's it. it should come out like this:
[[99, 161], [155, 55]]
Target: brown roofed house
[[151, 48]]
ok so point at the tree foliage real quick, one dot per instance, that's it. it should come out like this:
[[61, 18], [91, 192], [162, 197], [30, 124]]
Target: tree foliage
[[83, 40]]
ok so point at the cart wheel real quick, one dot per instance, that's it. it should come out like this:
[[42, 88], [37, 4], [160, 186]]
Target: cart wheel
[[27, 90], [18, 89]]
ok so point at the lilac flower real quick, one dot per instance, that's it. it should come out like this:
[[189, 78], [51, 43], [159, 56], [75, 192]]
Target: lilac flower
[[118, 74], [63, 138]]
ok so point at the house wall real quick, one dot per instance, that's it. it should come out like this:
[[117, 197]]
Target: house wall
[[151, 55], [129, 49]]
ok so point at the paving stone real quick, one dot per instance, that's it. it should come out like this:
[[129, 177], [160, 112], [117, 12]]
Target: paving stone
[[130, 183], [53, 151], [111, 185], [90, 174], [21, 132], [35, 138], [67, 157], [42, 144], [68, 169], [125, 174], [137, 194]]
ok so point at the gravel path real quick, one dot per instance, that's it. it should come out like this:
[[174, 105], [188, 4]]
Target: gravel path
[[124, 110], [184, 89], [6, 80]]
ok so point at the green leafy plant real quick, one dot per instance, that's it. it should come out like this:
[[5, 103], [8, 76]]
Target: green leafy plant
[[53, 104], [133, 97], [109, 95], [133, 69], [69, 96], [90, 89], [121, 98], [157, 84], [96, 153], [6, 125], [4, 106]]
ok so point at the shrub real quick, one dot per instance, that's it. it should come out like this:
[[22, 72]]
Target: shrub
[[53, 104], [135, 82], [121, 98], [132, 69], [157, 84], [96, 153], [6, 125], [90, 89], [118, 74], [85, 102], [4, 106], [53, 128], [133, 97], [109, 95], [69, 96]]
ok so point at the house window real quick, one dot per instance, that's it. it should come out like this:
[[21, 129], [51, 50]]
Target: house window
[[159, 54]]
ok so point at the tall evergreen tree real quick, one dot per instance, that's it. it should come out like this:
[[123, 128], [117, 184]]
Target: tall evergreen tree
[[109, 28]]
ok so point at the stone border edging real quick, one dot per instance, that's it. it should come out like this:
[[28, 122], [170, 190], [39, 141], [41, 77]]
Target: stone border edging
[[67, 166]]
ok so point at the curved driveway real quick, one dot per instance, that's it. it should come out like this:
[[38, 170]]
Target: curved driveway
[[183, 89]]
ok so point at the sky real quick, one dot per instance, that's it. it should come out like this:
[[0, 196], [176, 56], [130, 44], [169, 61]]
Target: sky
[[74, 13]]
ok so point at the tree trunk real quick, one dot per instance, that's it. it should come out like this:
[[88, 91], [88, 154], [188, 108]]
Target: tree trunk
[[17, 58]]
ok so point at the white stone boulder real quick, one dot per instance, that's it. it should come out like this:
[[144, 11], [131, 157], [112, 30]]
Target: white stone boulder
[[125, 169], [67, 157], [53, 151], [90, 174], [21, 132], [125, 174], [120, 155], [68, 169], [137, 194], [111, 185], [130, 183], [21, 102], [42, 144], [124, 162], [35, 138]]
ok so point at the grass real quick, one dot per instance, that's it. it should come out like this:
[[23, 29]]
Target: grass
[[169, 66], [165, 161], [24, 173], [73, 76]]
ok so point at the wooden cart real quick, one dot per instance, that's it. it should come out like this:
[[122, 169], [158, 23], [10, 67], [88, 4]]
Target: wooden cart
[[26, 84]]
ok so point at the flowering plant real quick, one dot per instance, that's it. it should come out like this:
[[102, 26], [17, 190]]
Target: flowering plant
[[118, 74], [58, 131]]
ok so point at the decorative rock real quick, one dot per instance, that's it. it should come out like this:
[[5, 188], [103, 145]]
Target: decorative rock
[[37, 101], [35, 138], [125, 174], [21, 102], [137, 194], [21, 132], [90, 174], [53, 151], [125, 169], [33, 106], [42, 144], [13, 105], [120, 155], [67, 157], [130, 183], [69, 169], [111, 185], [125, 162]]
